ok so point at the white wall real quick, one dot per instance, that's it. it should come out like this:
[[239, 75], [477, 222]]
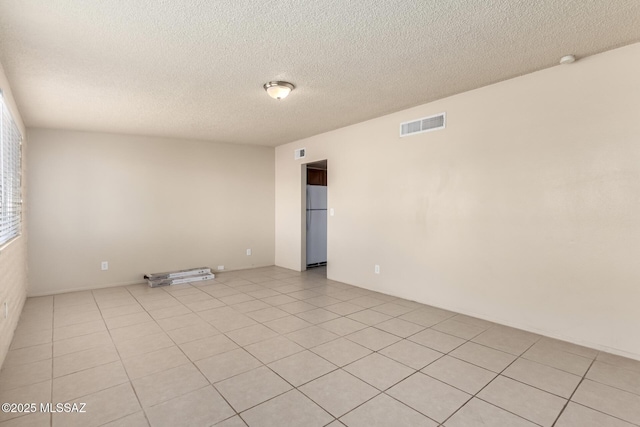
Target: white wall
[[144, 205], [524, 211], [13, 256]]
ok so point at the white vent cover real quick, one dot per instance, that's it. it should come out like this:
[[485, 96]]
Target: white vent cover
[[425, 124], [300, 153]]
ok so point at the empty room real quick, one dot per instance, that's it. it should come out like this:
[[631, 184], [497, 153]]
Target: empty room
[[308, 214]]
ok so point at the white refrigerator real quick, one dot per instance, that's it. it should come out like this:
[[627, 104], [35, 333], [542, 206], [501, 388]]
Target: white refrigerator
[[316, 225]]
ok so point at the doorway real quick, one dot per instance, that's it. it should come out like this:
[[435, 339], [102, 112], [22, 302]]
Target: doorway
[[315, 215]]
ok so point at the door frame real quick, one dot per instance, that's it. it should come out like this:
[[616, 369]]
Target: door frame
[[303, 218], [303, 212]]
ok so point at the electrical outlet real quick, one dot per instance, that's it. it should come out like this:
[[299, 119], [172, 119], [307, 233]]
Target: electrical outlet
[[376, 269], [248, 251], [104, 265], [332, 212], [220, 267]]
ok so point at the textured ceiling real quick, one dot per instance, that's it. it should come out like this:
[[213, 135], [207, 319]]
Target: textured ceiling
[[195, 68]]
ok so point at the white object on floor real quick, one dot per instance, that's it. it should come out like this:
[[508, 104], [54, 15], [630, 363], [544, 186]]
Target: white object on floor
[[179, 277]]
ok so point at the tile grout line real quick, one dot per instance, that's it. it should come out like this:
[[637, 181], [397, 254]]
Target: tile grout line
[[378, 393], [574, 390], [378, 352], [487, 385], [53, 309], [239, 414], [193, 362], [305, 349], [584, 377], [196, 366], [609, 385], [214, 386], [501, 372], [384, 392], [262, 365], [297, 387], [310, 285], [420, 371], [135, 393], [187, 357], [293, 388], [603, 413]]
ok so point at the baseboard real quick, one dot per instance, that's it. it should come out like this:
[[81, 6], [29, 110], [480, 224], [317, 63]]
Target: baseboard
[[527, 328], [113, 285], [545, 333], [505, 322], [84, 288]]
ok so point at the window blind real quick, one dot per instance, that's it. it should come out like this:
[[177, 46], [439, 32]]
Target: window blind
[[10, 175]]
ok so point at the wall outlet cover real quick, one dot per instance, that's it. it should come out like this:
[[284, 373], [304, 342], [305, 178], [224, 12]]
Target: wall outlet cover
[[104, 265], [376, 269], [248, 251]]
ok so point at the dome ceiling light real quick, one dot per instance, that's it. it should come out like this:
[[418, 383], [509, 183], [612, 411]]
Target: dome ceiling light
[[278, 89], [567, 59]]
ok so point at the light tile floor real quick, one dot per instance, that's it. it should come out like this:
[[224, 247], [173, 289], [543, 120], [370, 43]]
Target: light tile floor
[[273, 347]]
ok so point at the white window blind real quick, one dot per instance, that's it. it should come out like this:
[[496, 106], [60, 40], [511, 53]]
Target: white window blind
[[10, 175]]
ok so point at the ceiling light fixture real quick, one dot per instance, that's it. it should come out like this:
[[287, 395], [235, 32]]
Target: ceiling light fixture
[[278, 90], [567, 59]]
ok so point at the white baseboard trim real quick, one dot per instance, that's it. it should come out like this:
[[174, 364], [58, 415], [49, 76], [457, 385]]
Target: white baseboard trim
[[505, 322], [113, 285], [84, 288]]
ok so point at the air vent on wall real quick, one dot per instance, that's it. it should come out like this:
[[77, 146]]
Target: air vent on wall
[[300, 153], [425, 124]]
